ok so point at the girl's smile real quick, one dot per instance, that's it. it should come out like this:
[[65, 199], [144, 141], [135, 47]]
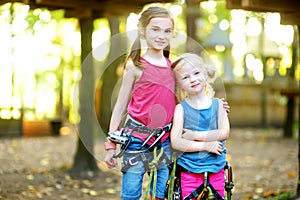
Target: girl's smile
[[190, 78]]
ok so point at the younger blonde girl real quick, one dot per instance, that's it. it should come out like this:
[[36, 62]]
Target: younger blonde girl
[[200, 126]]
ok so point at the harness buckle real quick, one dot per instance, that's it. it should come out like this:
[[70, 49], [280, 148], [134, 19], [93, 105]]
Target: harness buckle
[[132, 162]]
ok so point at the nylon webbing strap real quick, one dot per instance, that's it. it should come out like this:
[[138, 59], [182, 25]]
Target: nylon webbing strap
[[199, 191], [139, 127]]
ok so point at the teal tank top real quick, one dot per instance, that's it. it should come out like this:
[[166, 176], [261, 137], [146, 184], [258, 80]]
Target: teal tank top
[[201, 120]]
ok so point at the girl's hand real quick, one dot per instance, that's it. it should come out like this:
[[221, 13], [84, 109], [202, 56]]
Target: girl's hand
[[214, 147], [226, 106], [110, 161]]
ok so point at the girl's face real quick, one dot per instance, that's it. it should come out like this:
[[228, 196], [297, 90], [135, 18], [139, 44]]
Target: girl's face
[[158, 33], [191, 79]]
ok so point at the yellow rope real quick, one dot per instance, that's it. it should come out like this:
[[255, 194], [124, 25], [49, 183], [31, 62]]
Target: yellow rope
[[172, 178], [153, 173]]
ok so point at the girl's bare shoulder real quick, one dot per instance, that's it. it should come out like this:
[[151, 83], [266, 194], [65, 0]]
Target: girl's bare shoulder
[[131, 68], [178, 108]]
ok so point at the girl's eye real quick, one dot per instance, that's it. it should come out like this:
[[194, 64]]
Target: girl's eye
[[155, 29], [168, 31], [184, 78], [196, 73]]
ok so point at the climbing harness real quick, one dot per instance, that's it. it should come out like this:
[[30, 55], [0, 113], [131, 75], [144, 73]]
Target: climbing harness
[[146, 151], [205, 191], [151, 155], [123, 137]]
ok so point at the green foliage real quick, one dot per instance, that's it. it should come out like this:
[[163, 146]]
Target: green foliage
[[51, 64]]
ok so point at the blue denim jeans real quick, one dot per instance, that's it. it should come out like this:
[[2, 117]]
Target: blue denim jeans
[[132, 179]]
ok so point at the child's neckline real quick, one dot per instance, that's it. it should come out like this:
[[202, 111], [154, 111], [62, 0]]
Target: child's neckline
[[161, 66], [199, 108]]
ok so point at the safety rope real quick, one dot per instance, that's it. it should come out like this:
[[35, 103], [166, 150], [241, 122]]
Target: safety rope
[[172, 178], [153, 173]]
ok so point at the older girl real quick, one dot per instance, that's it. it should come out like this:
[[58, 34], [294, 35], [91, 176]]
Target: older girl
[[148, 85]]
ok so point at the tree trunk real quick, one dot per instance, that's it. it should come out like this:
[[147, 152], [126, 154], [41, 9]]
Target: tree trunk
[[84, 165], [115, 58], [288, 128], [192, 14], [263, 102], [297, 53]]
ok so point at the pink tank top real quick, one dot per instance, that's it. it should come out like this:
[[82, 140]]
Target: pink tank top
[[153, 98]]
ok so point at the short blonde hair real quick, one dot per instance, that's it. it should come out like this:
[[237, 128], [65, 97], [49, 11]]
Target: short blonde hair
[[196, 61]]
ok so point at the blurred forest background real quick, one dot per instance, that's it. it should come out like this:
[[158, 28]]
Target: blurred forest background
[[59, 69], [41, 61]]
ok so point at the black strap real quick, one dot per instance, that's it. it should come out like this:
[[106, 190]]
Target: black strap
[[142, 157], [123, 148], [195, 193], [229, 182], [132, 124], [198, 191]]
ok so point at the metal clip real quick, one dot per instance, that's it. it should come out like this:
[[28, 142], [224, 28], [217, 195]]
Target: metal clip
[[205, 179], [157, 139], [149, 137]]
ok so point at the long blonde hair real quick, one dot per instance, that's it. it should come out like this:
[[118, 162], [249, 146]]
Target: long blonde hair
[[196, 61]]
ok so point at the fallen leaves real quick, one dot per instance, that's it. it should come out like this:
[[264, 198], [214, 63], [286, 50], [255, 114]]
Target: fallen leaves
[[30, 177], [270, 194], [59, 184], [35, 168], [291, 174]]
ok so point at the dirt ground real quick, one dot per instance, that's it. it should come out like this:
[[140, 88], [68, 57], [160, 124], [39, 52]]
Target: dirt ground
[[35, 168]]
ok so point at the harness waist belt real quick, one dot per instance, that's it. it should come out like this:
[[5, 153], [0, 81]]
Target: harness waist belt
[[139, 127]]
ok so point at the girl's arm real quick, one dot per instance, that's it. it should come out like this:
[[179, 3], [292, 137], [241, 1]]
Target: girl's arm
[[184, 145], [220, 134], [129, 77]]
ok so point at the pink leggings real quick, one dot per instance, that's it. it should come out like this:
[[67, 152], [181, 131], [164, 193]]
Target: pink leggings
[[191, 181]]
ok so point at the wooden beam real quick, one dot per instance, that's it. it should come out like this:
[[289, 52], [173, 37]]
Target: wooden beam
[[288, 8], [290, 18], [86, 8], [36, 6], [72, 4], [13, 1], [79, 13], [4, 2], [123, 8], [264, 5], [271, 5], [233, 4]]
